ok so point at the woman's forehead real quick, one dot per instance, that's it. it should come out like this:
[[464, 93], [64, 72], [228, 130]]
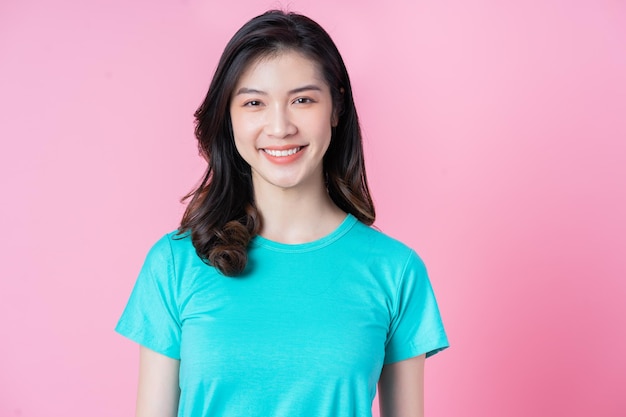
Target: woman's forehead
[[284, 69]]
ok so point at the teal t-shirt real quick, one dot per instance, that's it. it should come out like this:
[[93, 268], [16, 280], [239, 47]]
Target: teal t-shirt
[[304, 331]]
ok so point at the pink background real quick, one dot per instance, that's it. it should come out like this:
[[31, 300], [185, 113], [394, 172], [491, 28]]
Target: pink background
[[496, 145]]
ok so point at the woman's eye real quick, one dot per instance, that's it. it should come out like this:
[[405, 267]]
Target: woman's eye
[[303, 100], [252, 103]]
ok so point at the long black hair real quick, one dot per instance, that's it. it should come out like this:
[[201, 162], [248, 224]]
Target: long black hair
[[221, 216]]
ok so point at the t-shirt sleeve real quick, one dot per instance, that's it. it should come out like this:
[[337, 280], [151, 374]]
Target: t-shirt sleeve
[[151, 317], [416, 326]]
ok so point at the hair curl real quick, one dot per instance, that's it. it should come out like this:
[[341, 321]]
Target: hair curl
[[221, 216]]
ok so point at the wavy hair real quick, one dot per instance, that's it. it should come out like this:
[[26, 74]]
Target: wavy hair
[[221, 216]]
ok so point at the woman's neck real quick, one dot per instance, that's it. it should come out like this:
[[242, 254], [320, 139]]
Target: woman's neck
[[296, 215]]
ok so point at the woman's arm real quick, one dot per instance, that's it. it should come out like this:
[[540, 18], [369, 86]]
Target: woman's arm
[[401, 388], [158, 392]]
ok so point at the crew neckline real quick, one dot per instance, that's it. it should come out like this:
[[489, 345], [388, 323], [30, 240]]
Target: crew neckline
[[342, 229]]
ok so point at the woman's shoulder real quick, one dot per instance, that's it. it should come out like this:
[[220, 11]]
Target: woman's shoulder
[[172, 245], [173, 258], [381, 244], [376, 236]]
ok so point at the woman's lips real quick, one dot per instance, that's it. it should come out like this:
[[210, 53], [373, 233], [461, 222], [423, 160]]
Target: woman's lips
[[284, 154], [281, 153]]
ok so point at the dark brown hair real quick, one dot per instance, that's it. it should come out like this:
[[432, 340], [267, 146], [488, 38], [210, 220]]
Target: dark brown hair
[[221, 216]]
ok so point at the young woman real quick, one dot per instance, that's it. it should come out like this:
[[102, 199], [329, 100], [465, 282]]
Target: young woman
[[275, 298]]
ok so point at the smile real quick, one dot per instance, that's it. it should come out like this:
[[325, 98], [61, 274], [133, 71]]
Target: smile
[[285, 152]]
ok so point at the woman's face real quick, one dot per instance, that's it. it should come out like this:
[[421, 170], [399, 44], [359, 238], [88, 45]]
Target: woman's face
[[282, 116]]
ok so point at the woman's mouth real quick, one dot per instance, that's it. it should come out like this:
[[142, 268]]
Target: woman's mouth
[[282, 152]]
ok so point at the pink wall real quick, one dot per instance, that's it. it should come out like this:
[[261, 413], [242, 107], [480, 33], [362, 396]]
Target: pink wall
[[496, 144]]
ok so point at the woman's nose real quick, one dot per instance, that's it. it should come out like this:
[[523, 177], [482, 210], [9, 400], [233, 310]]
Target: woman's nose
[[279, 123]]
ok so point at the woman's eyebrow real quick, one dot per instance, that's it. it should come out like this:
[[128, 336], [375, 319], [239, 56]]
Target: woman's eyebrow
[[305, 88], [310, 87], [244, 90]]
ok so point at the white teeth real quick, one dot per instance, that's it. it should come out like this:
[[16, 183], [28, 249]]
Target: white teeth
[[286, 152]]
